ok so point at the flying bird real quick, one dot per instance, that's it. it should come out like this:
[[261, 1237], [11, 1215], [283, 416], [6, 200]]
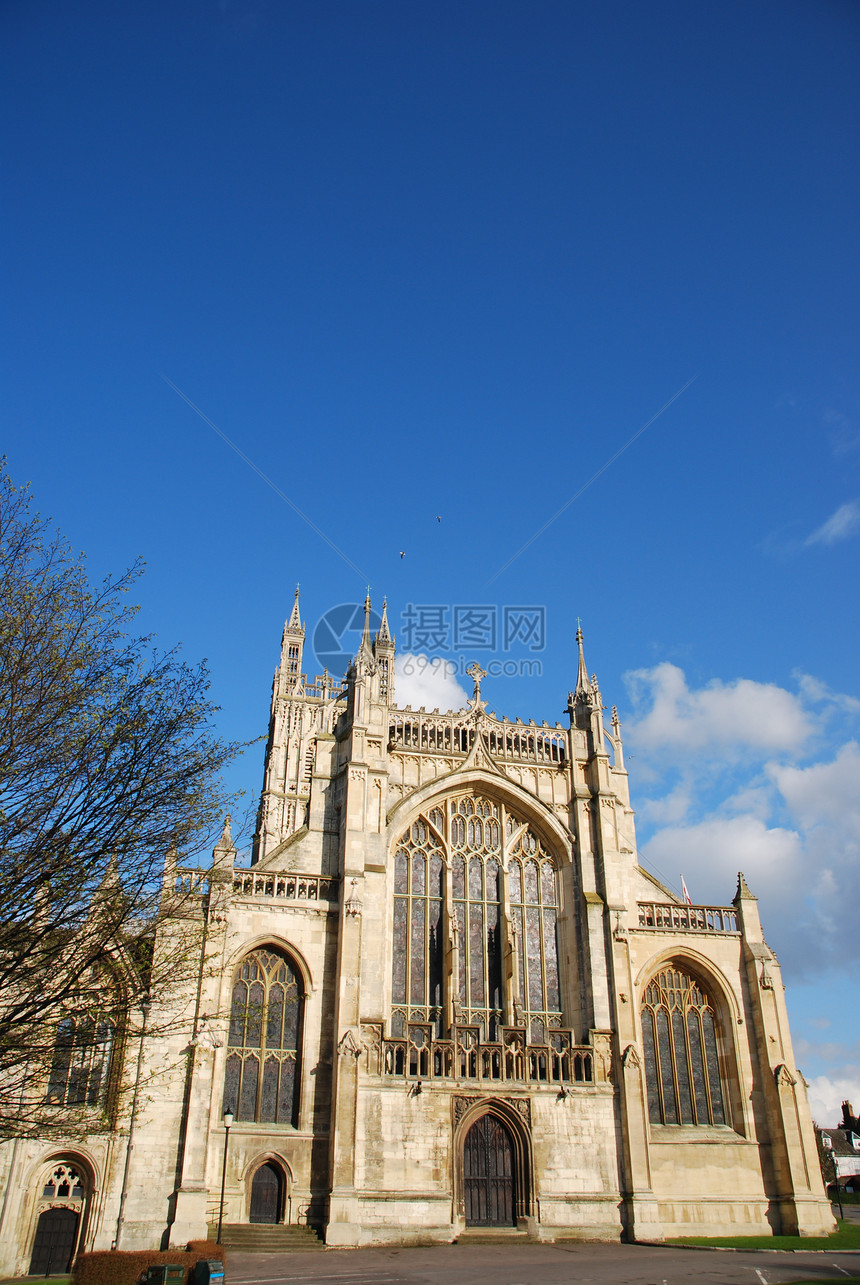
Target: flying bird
[[438, 517], [402, 553]]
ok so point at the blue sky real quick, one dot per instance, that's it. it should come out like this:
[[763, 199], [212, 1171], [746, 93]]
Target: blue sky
[[419, 260]]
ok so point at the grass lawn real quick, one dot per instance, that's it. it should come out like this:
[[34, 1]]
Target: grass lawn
[[28, 1280], [847, 1236]]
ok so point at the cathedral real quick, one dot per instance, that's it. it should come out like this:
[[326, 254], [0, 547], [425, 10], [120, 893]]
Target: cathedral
[[444, 997]]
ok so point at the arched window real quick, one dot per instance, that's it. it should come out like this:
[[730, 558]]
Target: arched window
[[81, 1062], [679, 1036], [531, 878], [418, 949], [261, 1082], [472, 883]]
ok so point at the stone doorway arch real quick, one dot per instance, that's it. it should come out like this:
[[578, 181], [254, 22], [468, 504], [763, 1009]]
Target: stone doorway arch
[[267, 1194], [61, 1205], [493, 1170], [489, 1177]]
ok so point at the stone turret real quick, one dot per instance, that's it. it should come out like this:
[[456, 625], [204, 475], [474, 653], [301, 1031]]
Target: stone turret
[[289, 675], [383, 651]]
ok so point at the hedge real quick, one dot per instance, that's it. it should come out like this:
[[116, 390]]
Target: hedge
[[118, 1267]]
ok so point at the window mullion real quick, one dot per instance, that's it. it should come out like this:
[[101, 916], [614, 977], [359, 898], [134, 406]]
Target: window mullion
[[451, 957], [542, 940], [707, 1070], [676, 1084], [690, 1064], [510, 967]]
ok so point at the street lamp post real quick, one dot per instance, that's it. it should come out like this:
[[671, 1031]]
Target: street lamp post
[[228, 1120], [835, 1167]]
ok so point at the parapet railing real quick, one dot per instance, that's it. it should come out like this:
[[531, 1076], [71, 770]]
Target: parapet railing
[[186, 881], [441, 734], [465, 1057], [189, 881], [324, 687], [285, 887], [691, 919]]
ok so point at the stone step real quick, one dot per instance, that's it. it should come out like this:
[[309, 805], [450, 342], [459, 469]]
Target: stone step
[[271, 1238], [492, 1236]]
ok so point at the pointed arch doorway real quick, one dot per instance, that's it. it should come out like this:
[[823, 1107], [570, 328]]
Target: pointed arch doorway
[[267, 1194], [489, 1174], [62, 1197], [55, 1240]]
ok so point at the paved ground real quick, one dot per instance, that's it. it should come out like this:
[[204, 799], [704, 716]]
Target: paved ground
[[585, 1264]]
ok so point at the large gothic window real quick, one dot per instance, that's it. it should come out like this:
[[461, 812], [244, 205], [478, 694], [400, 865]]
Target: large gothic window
[[81, 1062], [418, 951], [679, 1036], [261, 1080], [531, 876], [473, 885]]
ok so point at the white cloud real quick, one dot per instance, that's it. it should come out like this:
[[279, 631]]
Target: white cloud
[[726, 793], [818, 693], [713, 851], [671, 809], [827, 1094], [824, 794], [839, 526], [740, 715], [428, 681], [807, 874]]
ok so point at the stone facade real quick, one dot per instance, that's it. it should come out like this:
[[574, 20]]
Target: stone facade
[[469, 1005]]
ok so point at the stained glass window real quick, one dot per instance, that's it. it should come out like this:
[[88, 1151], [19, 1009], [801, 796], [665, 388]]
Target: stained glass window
[[261, 1081], [81, 1061], [451, 871], [682, 1067], [531, 881], [419, 888]]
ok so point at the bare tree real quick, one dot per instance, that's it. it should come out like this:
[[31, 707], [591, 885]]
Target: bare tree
[[107, 760]]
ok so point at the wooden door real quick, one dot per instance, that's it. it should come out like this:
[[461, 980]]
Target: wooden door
[[266, 1195], [488, 1174], [56, 1237]]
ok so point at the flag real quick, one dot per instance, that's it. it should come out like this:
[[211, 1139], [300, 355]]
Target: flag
[[688, 899]]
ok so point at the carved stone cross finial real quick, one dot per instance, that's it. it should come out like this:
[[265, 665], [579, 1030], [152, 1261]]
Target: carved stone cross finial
[[476, 674]]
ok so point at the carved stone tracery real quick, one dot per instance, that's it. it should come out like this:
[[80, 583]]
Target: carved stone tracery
[[463, 1104]]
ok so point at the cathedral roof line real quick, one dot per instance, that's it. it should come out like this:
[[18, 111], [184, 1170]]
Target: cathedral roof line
[[468, 714]]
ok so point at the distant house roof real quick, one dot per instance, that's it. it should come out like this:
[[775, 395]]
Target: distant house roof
[[841, 1142]]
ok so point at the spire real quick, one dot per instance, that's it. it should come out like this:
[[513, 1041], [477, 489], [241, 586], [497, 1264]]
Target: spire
[[224, 851], [294, 624], [288, 677], [110, 878], [616, 740], [365, 636], [109, 894], [171, 861], [583, 687], [226, 840], [743, 892], [476, 674], [384, 634]]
